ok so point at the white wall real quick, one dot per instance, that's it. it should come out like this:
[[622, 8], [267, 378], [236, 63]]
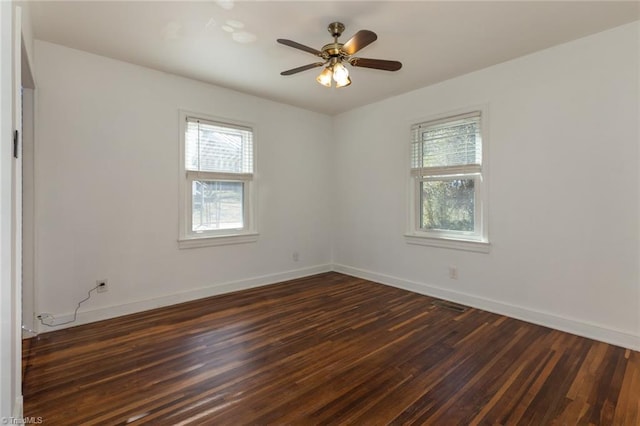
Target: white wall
[[563, 189], [107, 187]]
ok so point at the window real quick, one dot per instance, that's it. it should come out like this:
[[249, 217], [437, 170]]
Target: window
[[448, 180], [217, 181]]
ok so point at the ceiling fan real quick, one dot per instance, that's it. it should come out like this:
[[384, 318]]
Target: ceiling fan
[[335, 54]]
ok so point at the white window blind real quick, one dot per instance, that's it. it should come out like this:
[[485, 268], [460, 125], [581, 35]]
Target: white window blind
[[218, 148], [447, 147]]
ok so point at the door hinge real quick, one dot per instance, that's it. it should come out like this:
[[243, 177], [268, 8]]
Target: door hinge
[[15, 143]]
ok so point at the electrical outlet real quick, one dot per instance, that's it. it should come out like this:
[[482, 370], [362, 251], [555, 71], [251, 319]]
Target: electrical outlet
[[295, 256], [453, 272], [45, 318], [102, 286]]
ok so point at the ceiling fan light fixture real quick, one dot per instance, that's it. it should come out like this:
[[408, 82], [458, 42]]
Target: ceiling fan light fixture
[[344, 83], [341, 75], [325, 77]]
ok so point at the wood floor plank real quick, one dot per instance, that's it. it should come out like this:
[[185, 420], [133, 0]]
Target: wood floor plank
[[326, 349]]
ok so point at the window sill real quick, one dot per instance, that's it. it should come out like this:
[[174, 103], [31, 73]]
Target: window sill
[[448, 243], [222, 240]]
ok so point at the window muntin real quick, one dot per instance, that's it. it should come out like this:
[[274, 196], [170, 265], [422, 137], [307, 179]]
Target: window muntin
[[447, 175], [218, 173]]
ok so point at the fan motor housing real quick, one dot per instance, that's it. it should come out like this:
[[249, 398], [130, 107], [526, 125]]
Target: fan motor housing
[[332, 49]]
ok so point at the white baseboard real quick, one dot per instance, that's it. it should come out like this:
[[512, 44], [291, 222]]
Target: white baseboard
[[145, 305], [569, 325]]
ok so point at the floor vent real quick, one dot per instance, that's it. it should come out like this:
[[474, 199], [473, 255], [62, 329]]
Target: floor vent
[[450, 305]]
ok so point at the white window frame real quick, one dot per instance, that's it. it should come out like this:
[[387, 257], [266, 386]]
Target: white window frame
[[477, 241], [249, 232]]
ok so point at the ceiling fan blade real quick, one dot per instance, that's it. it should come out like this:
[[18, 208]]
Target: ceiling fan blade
[[302, 68], [378, 64], [297, 45], [361, 39]]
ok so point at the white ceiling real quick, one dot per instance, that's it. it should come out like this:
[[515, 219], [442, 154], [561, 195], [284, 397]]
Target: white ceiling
[[434, 40]]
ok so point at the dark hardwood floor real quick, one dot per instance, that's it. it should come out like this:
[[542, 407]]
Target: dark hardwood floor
[[327, 349]]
